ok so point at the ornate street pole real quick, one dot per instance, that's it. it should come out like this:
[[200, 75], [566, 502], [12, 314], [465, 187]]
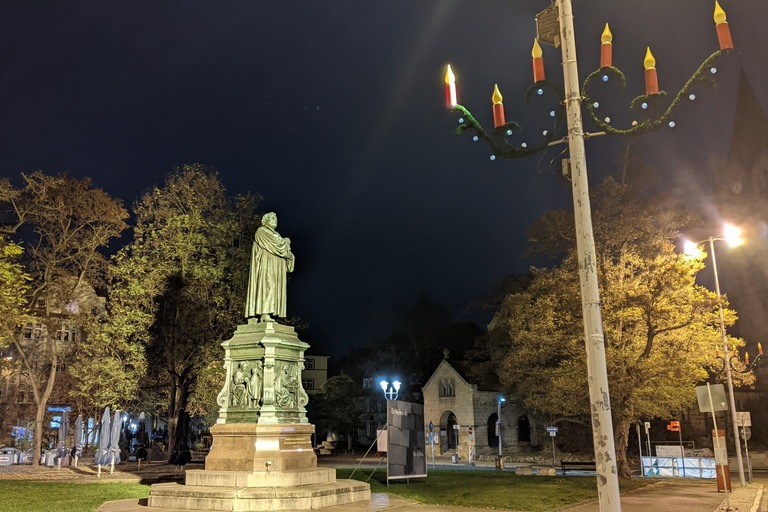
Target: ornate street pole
[[599, 398], [555, 26]]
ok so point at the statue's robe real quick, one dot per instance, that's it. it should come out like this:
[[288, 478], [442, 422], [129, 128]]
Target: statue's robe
[[271, 260]]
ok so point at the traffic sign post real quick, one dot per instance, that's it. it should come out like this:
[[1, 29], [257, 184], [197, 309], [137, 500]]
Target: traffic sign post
[[552, 433], [432, 441], [648, 437], [745, 421], [674, 426]]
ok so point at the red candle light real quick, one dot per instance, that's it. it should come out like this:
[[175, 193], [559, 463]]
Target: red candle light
[[746, 357], [538, 62], [606, 49], [450, 88], [651, 79], [498, 107], [759, 348], [723, 32], [717, 353]]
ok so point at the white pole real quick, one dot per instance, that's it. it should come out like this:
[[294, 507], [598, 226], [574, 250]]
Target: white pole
[[600, 405], [728, 368]]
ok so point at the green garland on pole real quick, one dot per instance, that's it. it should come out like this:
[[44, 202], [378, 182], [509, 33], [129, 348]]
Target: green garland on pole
[[502, 148]]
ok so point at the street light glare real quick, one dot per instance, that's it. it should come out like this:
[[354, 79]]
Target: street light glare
[[397, 385], [384, 385], [692, 249], [732, 235]]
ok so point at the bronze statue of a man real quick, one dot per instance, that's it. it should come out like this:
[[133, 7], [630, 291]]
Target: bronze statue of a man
[[271, 260]]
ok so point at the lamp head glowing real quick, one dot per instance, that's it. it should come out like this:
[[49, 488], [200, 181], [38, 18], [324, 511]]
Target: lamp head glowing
[[650, 61], [719, 14], [732, 235], [450, 78], [502, 399], [536, 52], [607, 37], [497, 97], [396, 384], [384, 384], [692, 249]]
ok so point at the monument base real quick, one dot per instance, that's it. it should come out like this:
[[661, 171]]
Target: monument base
[[260, 467]]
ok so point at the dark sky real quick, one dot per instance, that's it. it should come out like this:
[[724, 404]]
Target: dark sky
[[334, 111]]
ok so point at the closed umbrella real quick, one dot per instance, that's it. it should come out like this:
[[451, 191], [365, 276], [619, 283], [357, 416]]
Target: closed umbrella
[[61, 449], [102, 454], [114, 443], [78, 438]]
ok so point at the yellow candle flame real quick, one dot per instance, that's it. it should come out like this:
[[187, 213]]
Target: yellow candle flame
[[450, 78], [497, 97], [650, 62], [719, 14], [536, 52], [607, 37]]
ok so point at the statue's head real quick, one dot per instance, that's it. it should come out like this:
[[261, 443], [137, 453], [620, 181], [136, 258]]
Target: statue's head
[[269, 219]]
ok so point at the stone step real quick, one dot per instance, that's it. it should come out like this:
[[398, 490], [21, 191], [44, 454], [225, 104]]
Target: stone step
[[192, 497], [290, 478]]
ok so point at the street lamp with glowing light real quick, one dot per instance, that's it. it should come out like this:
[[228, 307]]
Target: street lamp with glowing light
[[390, 391], [732, 236]]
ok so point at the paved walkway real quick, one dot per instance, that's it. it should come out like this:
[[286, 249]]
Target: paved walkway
[[667, 495]]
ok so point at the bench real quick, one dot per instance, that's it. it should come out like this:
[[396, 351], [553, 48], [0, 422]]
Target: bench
[[577, 466]]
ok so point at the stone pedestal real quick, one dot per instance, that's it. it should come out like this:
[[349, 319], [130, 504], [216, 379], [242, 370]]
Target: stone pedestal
[[260, 467], [261, 457]]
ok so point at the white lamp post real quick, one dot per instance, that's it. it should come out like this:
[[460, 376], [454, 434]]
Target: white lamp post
[[499, 402], [732, 238]]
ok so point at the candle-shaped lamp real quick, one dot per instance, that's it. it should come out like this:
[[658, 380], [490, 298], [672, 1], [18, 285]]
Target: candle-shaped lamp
[[606, 49], [746, 357], [759, 348], [717, 353], [723, 32], [651, 79], [498, 107], [538, 62], [450, 88]]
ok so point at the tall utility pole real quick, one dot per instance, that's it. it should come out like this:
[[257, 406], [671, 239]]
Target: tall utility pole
[[599, 398]]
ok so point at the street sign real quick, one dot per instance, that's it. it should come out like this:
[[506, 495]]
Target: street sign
[[647, 426], [719, 402], [744, 418], [746, 433], [456, 427], [471, 431], [431, 425], [674, 426], [551, 429], [552, 433]]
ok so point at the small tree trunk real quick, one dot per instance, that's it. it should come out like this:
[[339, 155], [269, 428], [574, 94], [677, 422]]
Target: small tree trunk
[[622, 441]]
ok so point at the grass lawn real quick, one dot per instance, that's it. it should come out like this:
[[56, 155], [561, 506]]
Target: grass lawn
[[489, 489], [22, 496]]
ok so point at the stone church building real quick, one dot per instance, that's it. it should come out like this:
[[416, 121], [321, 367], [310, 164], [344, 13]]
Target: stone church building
[[450, 401]]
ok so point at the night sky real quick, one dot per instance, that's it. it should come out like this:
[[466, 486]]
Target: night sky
[[334, 112]]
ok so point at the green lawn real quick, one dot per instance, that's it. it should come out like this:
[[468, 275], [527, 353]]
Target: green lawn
[[489, 489], [22, 496]]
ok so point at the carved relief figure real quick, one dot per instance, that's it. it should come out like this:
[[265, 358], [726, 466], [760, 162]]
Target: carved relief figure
[[254, 386], [286, 386], [271, 260], [239, 383]]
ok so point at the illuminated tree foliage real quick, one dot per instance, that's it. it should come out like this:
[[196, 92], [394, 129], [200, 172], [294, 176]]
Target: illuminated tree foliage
[[660, 327], [187, 270], [64, 225]]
